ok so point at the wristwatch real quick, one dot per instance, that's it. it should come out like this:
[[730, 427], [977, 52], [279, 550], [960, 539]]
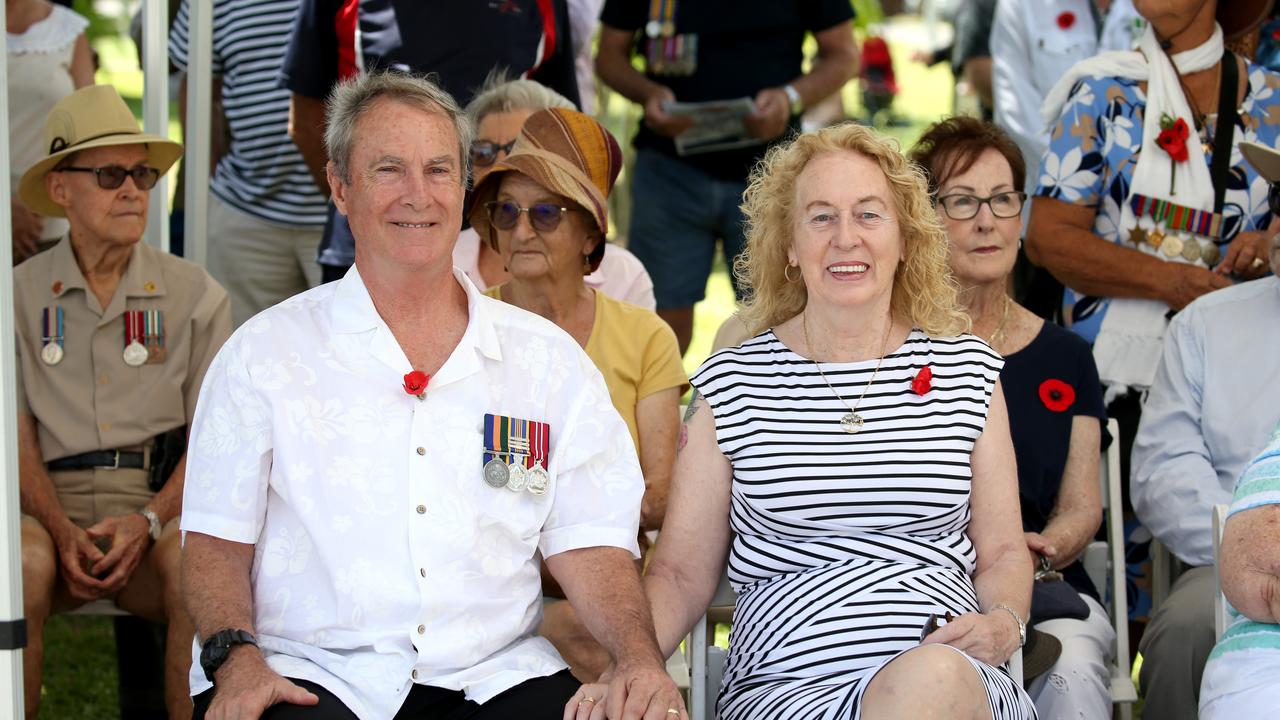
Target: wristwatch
[[793, 95], [153, 522], [217, 648], [1022, 625]]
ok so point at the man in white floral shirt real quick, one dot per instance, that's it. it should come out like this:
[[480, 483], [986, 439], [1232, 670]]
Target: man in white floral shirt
[[377, 464]]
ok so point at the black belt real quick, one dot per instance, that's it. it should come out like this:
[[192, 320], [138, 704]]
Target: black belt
[[110, 459]]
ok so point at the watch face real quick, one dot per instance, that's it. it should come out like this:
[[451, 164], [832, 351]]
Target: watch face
[[212, 656]]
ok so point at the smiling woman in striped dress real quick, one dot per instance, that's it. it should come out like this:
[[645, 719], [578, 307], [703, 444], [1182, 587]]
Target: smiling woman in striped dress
[[852, 461]]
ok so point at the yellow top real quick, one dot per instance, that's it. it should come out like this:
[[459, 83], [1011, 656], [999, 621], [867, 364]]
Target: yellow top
[[634, 349]]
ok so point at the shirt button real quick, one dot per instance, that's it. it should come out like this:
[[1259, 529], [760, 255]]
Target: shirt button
[[102, 379], [422, 572], [422, 509], [106, 427], [422, 451], [414, 674], [422, 629]]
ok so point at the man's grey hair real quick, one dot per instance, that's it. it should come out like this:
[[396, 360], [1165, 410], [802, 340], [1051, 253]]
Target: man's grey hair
[[352, 98], [501, 94]]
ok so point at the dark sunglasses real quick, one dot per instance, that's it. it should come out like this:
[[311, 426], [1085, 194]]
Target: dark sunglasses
[[966, 207], [544, 217], [1273, 197], [485, 152], [111, 177]]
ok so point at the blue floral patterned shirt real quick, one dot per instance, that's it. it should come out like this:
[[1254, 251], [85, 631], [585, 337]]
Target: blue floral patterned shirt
[[1093, 150]]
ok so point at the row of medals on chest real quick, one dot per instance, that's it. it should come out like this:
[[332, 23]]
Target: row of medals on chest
[[511, 473], [1174, 244], [135, 354]]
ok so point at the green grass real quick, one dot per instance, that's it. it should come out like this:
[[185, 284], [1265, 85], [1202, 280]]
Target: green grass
[[79, 669]]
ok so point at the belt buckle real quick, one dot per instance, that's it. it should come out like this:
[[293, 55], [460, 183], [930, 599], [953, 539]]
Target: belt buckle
[[115, 461]]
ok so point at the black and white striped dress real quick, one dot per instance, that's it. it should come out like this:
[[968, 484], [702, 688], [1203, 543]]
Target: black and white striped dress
[[844, 544]]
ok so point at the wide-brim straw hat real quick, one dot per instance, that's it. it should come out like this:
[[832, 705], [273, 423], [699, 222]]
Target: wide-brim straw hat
[[568, 153], [94, 116], [1263, 159], [1241, 17]]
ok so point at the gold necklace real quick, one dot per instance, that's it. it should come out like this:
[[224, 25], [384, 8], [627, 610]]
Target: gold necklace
[[998, 336], [851, 421]]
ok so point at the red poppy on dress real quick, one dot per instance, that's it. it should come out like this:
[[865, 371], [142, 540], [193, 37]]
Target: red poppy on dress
[[415, 383], [1173, 140], [923, 381], [1057, 395], [1066, 20]]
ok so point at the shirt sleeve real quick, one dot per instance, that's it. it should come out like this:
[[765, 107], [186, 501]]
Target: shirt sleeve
[[625, 14], [597, 481], [1088, 386], [825, 14], [1071, 169], [661, 366], [210, 328], [1259, 484], [178, 36], [311, 61], [972, 33], [1174, 485], [229, 453], [20, 393]]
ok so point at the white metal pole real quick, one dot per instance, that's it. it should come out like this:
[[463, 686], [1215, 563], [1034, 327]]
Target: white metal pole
[[12, 624], [155, 107], [199, 128]]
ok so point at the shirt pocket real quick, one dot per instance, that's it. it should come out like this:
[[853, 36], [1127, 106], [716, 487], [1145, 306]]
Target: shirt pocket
[[1054, 50]]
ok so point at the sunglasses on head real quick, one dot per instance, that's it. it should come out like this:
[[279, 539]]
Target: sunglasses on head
[[111, 177], [485, 152], [544, 217]]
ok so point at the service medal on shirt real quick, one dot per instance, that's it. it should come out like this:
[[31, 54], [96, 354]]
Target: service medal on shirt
[[517, 476], [135, 354], [1210, 254], [1171, 246], [496, 473], [51, 353], [1191, 250], [539, 480]]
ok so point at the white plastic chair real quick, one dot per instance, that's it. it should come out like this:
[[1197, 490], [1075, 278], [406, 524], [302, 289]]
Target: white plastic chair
[[1104, 563], [706, 660], [1220, 618]]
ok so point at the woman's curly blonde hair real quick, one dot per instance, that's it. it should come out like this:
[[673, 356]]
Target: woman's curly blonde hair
[[924, 292]]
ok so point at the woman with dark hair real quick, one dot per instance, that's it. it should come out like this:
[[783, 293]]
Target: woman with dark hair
[[976, 175]]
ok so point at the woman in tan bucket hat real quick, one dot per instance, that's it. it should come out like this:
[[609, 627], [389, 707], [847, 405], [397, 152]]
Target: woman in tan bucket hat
[[544, 209], [114, 338]]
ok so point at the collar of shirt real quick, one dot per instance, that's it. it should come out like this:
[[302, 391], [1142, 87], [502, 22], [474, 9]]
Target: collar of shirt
[[352, 311], [142, 278]]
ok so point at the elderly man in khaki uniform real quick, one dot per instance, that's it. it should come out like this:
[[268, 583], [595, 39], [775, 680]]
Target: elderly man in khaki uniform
[[114, 338]]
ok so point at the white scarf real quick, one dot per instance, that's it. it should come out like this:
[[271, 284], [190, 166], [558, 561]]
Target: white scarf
[[1128, 346]]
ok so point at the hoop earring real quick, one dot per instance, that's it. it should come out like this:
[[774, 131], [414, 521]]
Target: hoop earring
[[787, 274]]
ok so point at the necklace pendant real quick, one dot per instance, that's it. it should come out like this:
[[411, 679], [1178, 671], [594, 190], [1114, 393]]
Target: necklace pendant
[[852, 423]]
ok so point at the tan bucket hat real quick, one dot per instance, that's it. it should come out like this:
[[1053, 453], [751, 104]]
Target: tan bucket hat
[[568, 153], [94, 116]]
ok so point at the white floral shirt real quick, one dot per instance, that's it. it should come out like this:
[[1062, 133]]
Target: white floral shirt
[[381, 556]]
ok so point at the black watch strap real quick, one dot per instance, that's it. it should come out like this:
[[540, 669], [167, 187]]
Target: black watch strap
[[215, 650]]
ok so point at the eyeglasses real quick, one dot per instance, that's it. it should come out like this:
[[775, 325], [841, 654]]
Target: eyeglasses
[[966, 207], [544, 217], [485, 152], [1273, 197], [111, 177]]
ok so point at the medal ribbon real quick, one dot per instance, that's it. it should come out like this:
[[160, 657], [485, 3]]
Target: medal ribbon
[[497, 429], [539, 441], [153, 328], [1178, 217], [132, 327], [51, 332]]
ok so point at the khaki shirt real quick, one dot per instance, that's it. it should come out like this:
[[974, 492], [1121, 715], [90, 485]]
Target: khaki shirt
[[93, 400]]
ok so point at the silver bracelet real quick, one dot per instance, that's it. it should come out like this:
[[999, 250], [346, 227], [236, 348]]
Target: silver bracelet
[[1022, 625]]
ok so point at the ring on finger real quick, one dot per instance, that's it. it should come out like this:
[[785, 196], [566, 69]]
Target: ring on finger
[[672, 711], [587, 699], [1257, 263]]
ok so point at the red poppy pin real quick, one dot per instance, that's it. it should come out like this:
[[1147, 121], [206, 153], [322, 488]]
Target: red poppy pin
[[1066, 20], [1173, 140], [923, 381], [1057, 395], [415, 383]]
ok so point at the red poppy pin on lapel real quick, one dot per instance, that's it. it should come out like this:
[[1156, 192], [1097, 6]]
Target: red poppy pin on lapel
[[415, 384], [923, 381], [1066, 20], [1057, 395]]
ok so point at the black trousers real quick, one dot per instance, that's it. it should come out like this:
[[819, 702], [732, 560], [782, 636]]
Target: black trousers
[[537, 699]]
